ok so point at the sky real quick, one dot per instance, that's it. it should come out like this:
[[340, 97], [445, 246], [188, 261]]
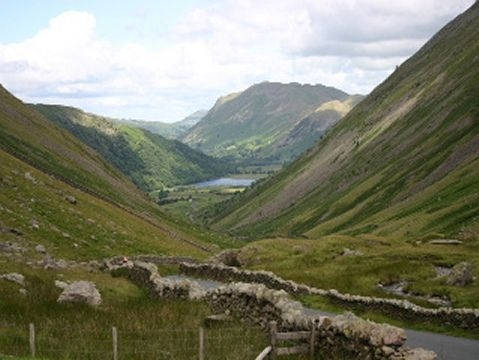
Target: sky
[[162, 60]]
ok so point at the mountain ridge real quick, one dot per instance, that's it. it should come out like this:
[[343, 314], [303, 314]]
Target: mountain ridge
[[252, 124], [417, 127]]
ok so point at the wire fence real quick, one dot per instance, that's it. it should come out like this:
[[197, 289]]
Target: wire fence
[[217, 342]]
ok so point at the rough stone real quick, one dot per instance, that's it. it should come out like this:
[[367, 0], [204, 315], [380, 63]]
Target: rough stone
[[40, 249], [30, 177], [229, 257], [460, 275], [445, 242], [61, 284], [80, 292], [14, 277], [71, 199]]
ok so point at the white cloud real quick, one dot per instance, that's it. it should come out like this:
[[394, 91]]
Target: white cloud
[[350, 44]]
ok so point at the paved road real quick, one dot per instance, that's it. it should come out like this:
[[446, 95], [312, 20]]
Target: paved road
[[446, 347]]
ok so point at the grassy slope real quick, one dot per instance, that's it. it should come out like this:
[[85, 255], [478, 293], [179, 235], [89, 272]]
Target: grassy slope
[[147, 328], [98, 228], [151, 161], [402, 163], [254, 123], [38, 142], [319, 263]]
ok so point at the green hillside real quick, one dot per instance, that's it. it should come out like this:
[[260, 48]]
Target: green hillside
[[168, 130], [150, 160], [42, 166], [403, 163], [263, 123]]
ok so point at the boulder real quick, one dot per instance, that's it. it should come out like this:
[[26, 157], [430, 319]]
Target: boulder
[[40, 249], [61, 284], [14, 277], [460, 275], [80, 292], [71, 199], [229, 257]]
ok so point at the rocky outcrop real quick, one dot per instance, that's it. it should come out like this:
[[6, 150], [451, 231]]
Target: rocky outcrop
[[463, 318], [81, 292]]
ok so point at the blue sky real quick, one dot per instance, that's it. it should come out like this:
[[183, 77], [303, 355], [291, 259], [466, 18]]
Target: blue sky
[[162, 60]]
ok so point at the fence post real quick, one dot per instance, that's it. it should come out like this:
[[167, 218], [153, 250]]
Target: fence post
[[114, 334], [272, 338], [312, 341], [32, 340], [201, 350]]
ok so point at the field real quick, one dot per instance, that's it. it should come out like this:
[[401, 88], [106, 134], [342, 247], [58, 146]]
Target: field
[[147, 328], [320, 263]]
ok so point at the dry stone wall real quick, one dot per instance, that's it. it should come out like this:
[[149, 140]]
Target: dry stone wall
[[463, 318], [345, 336]]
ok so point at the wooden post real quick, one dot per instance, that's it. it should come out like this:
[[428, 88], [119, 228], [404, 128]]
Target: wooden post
[[312, 341], [201, 349], [272, 338], [32, 340], [114, 334]]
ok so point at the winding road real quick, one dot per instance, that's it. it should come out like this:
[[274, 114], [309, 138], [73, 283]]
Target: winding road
[[446, 347]]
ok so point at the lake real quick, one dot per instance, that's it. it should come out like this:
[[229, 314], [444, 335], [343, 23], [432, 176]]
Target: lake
[[224, 181]]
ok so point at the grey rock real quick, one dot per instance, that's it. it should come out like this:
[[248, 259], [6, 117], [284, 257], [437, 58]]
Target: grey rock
[[460, 275], [30, 177], [11, 247], [445, 242], [228, 257], [71, 199], [14, 277], [61, 284], [40, 249], [81, 292]]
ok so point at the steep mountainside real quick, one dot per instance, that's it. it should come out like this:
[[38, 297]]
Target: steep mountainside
[[59, 192], [150, 160], [168, 130], [404, 162], [261, 123]]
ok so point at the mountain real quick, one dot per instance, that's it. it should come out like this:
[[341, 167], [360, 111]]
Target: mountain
[[404, 162], [168, 130], [263, 123], [59, 192], [150, 160]]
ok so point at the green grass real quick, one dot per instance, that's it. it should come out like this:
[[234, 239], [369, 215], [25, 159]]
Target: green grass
[[151, 161], [319, 263], [91, 229], [147, 328]]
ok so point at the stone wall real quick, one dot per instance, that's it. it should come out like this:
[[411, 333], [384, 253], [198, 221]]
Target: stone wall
[[146, 275], [463, 318], [109, 263], [345, 336]]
